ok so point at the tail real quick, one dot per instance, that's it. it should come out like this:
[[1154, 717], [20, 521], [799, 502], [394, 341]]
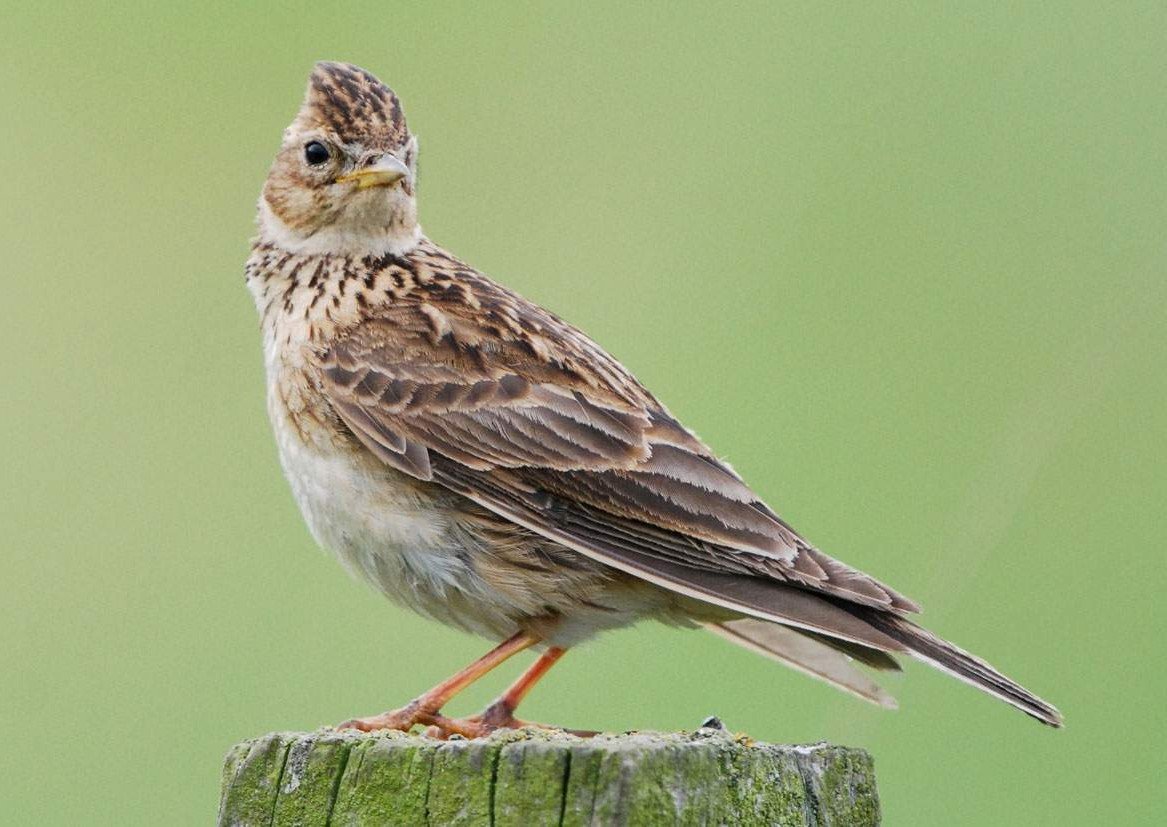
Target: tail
[[937, 652], [814, 655], [832, 659]]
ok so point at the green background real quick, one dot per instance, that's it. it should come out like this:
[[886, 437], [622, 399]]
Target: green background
[[903, 265]]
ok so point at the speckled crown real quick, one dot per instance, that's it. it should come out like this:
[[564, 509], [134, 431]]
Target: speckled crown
[[355, 106]]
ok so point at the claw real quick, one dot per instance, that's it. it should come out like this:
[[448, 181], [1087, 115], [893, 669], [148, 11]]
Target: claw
[[404, 719], [495, 717]]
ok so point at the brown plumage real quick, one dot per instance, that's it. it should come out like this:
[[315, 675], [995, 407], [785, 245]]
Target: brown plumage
[[486, 463]]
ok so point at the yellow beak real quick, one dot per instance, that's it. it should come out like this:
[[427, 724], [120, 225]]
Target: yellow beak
[[386, 172]]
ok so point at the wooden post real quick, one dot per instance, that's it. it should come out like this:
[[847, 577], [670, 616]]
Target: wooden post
[[536, 777]]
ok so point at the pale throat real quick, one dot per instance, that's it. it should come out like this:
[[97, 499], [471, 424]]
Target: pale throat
[[398, 236]]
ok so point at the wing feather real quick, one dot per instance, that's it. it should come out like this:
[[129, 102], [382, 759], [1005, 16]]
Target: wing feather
[[523, 414], [567, 422]]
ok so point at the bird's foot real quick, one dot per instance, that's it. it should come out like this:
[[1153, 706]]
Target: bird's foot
[[404, 719], [494, 717], [499, 715]]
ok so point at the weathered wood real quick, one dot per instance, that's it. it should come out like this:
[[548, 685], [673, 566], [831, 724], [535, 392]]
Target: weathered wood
[[536, 777]]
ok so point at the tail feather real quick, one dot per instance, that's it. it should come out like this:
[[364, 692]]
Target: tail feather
[[939, 653], [810, 654], [872, 658]]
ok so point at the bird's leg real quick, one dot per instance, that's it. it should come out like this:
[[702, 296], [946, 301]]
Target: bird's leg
[[501, 713], [424, 708]]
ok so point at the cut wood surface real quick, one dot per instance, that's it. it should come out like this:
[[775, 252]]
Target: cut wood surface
[[537, 777]]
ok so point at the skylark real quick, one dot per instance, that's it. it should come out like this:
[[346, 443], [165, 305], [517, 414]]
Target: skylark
[[484, 463]]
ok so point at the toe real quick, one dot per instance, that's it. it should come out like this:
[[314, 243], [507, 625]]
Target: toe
[[403, 719]]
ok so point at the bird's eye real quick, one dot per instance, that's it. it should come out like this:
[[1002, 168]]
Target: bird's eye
[[315, 153]]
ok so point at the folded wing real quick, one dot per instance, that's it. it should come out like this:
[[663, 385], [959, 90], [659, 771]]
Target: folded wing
[[504, 403]]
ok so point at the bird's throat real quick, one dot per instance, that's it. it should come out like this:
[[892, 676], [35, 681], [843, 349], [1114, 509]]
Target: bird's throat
[[394, 232]]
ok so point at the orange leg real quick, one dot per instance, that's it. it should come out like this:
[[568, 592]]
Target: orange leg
[[424, 709], [501, 713], [505, 705]]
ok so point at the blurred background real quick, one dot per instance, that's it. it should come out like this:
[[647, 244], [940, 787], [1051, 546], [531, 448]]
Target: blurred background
[[903, 265]]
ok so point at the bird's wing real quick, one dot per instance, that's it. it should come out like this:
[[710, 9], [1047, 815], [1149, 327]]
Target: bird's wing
[[500, 400], [475, 389]]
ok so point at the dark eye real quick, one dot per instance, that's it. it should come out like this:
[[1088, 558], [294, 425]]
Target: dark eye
[[315, 153]]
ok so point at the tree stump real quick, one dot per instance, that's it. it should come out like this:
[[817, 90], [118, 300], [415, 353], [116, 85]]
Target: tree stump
[[536, 777]]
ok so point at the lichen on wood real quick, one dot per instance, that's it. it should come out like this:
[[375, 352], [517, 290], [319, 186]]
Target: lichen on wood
[[536, 777]]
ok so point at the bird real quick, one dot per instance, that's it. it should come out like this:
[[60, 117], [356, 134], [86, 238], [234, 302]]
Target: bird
[[486, 464]]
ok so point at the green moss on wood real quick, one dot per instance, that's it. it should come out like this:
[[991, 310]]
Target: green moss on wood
[[386, 781], [536, 777], [842, 781], [313, 769], [462, 782], [251, 777], [529, 782]]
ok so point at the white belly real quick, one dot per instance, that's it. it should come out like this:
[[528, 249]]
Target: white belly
[[391, 531]]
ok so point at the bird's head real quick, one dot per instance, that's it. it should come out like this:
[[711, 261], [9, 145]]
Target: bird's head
[[345, 177]]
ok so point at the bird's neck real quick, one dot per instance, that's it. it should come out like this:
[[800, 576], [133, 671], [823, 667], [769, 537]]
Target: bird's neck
[[304, 299], [397, 236]]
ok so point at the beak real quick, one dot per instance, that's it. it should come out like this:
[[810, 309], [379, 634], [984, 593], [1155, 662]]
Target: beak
[[386, 172]]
